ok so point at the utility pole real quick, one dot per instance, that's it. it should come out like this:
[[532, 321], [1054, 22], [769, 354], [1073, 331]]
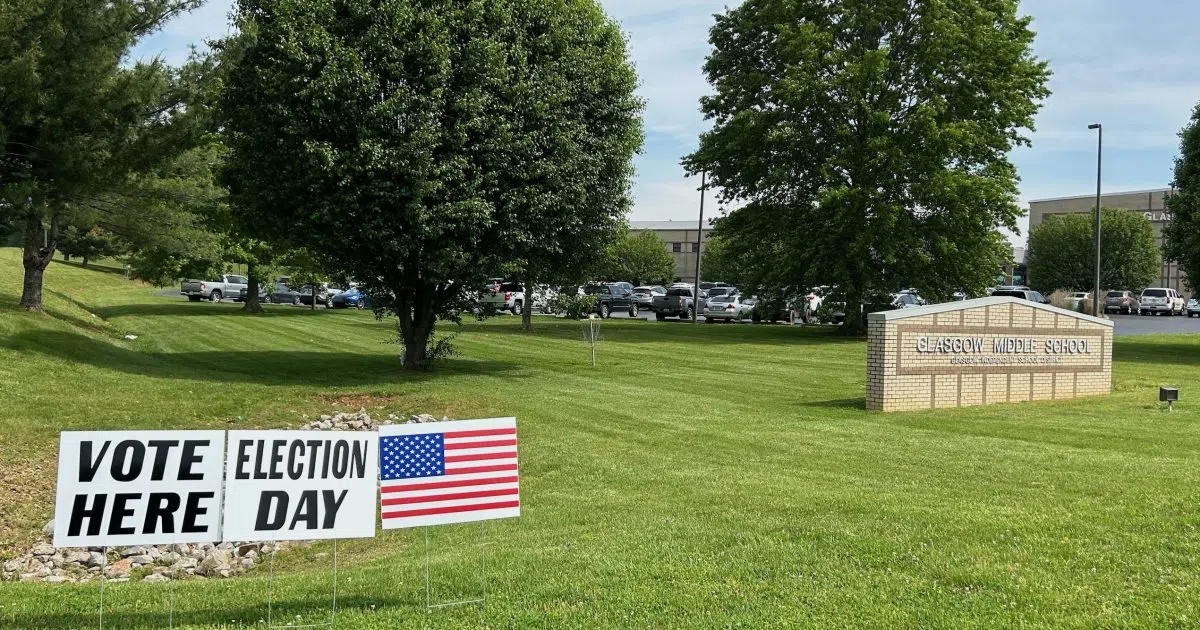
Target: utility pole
[[699, 240], [1099, 156]]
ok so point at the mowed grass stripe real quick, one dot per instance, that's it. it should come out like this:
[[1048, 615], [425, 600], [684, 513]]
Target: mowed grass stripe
[[699, 476]]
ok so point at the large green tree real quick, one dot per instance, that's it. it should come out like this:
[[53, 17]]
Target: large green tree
[[1181, 236], [424, 145], [640, 258], [78, 124], [1062, 252], [869, 139]]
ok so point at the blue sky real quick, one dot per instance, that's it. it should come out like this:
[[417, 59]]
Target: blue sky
[[1129, 65]]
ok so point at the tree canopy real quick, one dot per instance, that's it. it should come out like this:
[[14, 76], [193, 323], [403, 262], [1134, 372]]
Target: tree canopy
[[425, 145], [868, 140], [1181, 236], [640, 258], [79, 126], [1062, 252]]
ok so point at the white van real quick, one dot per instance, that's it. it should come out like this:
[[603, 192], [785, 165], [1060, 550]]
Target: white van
[[1161, 300]]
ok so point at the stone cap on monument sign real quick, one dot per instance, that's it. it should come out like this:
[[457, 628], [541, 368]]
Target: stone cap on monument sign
[[984, 351]]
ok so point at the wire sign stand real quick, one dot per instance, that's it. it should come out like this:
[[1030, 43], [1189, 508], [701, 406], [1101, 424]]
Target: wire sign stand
[[591, 334], [480, 599], [271, 622]]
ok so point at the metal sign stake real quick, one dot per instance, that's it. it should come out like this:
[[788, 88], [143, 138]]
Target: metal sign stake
[[103, 579], [482, 600]]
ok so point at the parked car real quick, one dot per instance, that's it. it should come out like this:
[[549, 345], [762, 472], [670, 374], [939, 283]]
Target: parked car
[[352, 298], [242, 294], [503, 296], [213, 290], [1024, 294], [1124, 302], [1074, 301], [728, 308], [612, 297], [324, 295], [1193, 308], [644, 295], [907, 299], [680, 301], [281, 293], [1161, 300], [1009, 287]]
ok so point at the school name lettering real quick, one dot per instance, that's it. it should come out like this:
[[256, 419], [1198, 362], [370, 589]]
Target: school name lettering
[[1003, 345]]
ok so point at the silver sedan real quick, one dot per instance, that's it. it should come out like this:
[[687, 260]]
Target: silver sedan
[[728, 308]]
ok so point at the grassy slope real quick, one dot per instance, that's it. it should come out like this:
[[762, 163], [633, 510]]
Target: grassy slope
[[719, 476]]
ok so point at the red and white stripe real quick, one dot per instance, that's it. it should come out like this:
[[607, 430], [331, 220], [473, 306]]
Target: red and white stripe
[[481, 480]]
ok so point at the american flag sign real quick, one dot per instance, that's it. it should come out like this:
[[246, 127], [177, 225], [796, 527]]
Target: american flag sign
[[437, 473]]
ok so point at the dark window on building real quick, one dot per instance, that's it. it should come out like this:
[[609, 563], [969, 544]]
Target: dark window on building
[[676, 247]]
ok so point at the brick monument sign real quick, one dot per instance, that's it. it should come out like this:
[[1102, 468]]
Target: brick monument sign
[[985, 351]]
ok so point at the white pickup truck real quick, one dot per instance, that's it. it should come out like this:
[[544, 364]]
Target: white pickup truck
[[214, 290]]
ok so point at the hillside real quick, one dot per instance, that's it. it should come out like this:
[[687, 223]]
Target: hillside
[[704, 476]]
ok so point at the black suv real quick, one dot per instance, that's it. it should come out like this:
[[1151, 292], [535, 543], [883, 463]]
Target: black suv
[[614, 296]]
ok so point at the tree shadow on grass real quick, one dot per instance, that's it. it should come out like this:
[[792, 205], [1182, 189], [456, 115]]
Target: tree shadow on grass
[[219, 614], [78, 264], [642, 331], [176, 308], [839, 403], [1173, 352], [263, 367]]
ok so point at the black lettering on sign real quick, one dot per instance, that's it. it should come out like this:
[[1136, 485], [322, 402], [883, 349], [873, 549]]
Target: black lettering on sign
[[242, 458], [331, 507], [276, 458], [295, 461], [259, 473], [88, 466], [162, 448], [360, 459], [193, 511], [272, 510], [189, 459], [161, 507], [341, 459], [325, 460], [306, 508], [94, 514], [313, 447], [133, 451], [120, 511]]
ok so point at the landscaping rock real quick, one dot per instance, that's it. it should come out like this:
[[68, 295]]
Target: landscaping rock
[[48, 528], [42, 549], [133, 551], [157, 577]]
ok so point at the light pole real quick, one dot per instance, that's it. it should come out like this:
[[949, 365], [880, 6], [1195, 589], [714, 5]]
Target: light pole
[[1099, 157], [699, 240]]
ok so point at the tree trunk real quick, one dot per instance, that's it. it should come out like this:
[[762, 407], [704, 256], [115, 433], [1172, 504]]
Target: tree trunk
[[85, 262], [39, 248], [415, 310], [527, 307], [314, 296], [855, 323], [251, 305]]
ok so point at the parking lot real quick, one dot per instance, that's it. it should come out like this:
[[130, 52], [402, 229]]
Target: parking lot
[[1128, 325]]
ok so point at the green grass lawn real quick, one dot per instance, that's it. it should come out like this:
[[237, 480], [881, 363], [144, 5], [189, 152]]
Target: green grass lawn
[[713, 476]]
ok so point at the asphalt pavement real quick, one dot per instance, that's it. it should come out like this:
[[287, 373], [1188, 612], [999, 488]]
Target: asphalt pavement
[[1130, 325]]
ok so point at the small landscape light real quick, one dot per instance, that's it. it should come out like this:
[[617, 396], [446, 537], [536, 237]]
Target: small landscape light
[[1168, 395]]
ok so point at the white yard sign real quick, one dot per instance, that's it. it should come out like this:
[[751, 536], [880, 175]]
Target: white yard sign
[[448, 472], [138, 487], [300, 485]]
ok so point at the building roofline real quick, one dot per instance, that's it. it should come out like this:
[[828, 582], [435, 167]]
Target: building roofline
[[947, 307], [1110, 194]]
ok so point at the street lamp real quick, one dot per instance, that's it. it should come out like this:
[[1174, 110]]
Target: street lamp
[[1099, 156], [699, 240]]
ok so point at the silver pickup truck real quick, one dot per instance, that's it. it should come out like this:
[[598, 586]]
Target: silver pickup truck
[[215, 290], [678, 302]]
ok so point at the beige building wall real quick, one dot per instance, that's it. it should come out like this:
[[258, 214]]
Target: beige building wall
[[1150, 202], [902, 378], [679, 238]]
